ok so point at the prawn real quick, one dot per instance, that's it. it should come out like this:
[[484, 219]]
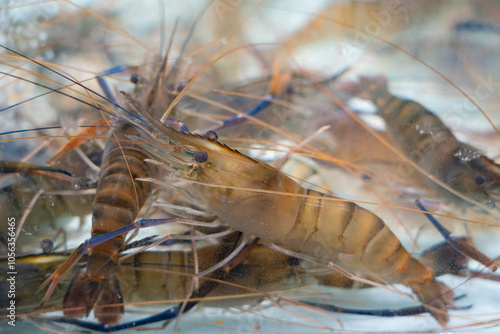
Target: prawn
[[257, 199], [427, 142], [118, 200], [138, 268]]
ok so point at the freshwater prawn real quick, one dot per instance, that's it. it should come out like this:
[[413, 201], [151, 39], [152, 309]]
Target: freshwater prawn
[[118, 200], [140, 273], [422, 136], [258, 200]]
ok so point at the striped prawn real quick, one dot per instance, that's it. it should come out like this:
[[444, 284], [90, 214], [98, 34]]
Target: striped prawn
[[470, 177], [118, 201], [256, 199]]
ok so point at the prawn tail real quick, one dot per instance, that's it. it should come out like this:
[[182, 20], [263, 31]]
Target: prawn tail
[[109, 307], [75, 299], [83, 294], [437, 298]]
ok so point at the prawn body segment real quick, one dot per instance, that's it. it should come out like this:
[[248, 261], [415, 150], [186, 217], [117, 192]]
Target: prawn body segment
[[118, 200], [353, 237]]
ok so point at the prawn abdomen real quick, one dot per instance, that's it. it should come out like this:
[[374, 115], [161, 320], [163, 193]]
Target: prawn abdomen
[[359, 241]]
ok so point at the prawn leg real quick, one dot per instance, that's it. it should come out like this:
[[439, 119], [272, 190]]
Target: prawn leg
[[263, 104], [104, 85], [46, 172], [235, 120], [173, 312], [97, 128], [401, 312], [25, 168], [58, 90], [459, 244]]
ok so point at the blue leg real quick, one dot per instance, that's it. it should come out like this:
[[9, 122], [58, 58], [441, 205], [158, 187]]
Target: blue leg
[[143, 223], [261, 105], [166, 315], [129, 116], [458, 243], [377, 313], [62, 76], [104, 85], [475, 26], [448, 236], [401, 312]]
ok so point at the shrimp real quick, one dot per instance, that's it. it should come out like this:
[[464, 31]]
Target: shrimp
[[138, 269], [119, 198], [259, 200], [424, 138]]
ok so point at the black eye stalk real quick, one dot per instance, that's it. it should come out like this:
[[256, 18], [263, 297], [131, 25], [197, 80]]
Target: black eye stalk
[[200, 157], [211, 134]]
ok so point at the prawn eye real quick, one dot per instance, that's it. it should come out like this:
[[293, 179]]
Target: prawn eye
[[479, 179], [47, 246], [134, 78], [211, 134], [200, 157], [292, 261], [181, 85]]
